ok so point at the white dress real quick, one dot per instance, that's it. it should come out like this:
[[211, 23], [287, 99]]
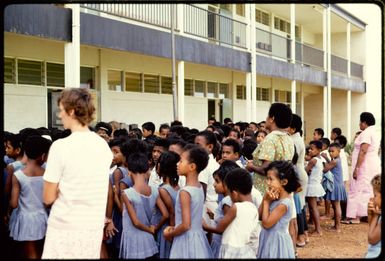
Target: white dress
[[241, 237], [314, 188]]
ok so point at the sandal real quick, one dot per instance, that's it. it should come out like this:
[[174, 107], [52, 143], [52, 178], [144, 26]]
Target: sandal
[[350, 222], [299, 244]]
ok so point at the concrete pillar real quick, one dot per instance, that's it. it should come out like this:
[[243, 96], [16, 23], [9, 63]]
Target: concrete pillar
[[180, 91], [72, 51], [302, 102], [348, 47], [329, 75], [349, 115], [233, 95], [253, 63], [248, 97], [293, 103]]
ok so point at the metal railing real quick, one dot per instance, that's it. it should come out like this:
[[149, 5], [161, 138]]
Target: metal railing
[[272, 44], [155, 14], [215, 27], [356, 70], [339, 64], [309, 55]]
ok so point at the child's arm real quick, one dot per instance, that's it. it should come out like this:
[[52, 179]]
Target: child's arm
[[224, 223], [374, 232], [110, 226], [328, 166], [117, 175], [163, 211], [204, 186], [270, 219], [185, 200], [135, 221], [8, 182], [166, 198], [15, 192], [118, 198], [310, 165]]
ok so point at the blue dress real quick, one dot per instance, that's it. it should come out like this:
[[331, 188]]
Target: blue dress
[[218, 215], [17, 165], [339, 192], [374, 250], [276, 242], [30, 221], [136, 243], [193, 243], [165, 245]]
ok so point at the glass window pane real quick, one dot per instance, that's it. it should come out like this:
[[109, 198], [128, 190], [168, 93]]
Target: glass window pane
[[240, 9], [258, 94], [55, 74], [133, 82], [151, 83], [166, 85], [265, 19], [211, 89], [87, 77], [199, 89], [30, 72], [265, 94], [188, 87], [114, 80], [240, 92], [223, 90], [9, 70]]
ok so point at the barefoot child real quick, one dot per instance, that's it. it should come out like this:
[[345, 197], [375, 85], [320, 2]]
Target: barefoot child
[[374, 218]]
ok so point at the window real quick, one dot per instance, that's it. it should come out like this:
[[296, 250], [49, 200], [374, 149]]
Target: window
[[188, 87], [151, 83], [241, 92], [284, 26], [225, 7], [223, 90], [263, 94], [297, 33], [240, 9], [166, 83], [133, 82], [211, 89], [87, 77], [282, 96], [30, 72], [199, 89], [55, 74], [9, 70], [262, 17], [114, 80]]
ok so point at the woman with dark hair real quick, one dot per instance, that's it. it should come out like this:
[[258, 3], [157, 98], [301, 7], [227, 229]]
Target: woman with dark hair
[[365, 165]]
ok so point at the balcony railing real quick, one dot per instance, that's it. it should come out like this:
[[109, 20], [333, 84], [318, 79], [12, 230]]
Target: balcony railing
[[339, 64], [356, 70], [309, 55], [155, 14], [215, 27], [272, 44]]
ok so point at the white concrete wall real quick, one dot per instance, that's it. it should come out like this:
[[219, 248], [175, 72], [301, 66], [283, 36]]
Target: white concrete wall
[[339, 44], [313, 114], [339, 111]]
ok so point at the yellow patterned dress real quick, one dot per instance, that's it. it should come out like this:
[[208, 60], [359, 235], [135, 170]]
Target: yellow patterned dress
[[277, 145]]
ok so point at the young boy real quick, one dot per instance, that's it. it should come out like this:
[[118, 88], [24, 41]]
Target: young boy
[[160, 146], [318, 134], [231, 151]]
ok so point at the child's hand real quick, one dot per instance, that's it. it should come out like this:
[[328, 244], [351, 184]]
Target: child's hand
[[249, 165], [152, 229], [370, 206], [271, 194], [210, 213], [167, 233], [111, 229]]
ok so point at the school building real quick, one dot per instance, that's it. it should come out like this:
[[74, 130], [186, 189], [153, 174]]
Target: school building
[[232, 60]]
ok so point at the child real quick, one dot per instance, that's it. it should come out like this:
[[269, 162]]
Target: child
[[30, 222], [318, 134], [338, 194], [374, 218], [325, 159], [260, 135], [239, 224], [189, 239], [139, 203], [166, 168], [230, 151], [276, 211], [345, 170], [160, 146], [314, 189]]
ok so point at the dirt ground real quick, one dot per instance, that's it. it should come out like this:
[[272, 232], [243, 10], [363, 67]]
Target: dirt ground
[[351, 242]]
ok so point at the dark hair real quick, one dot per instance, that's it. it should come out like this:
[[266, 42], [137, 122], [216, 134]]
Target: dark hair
[[239, 180], [337, 131], [36, 146], [248, 133], [209, 137], [167, 166], [165, 143], [194, 131], [133, 146], [282, 114], [121, 133], [368, 118], [115, 142], [296, 123], [325, 141], [211, 127], [177, 141], [226, 130], [260, 131], [227, 120], [341, 139], [253, 123], [164, 126], [225, 168], [80, 100], [135, 133], [176, 123], [285, 170], [248, 148], [335, 145], [25, 133], [150, 126], [320, 131], [233, 143], [198, 156], [216, 149], [294, 160], [137, 163], [178, 129], [316, 143], [14, 140], [376, 182], [104, 126], [212, 119], [236, 131]]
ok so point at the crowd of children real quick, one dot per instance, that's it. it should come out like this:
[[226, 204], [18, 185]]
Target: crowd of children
[[185, 193]]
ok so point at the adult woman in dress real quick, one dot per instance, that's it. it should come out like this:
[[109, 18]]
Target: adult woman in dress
[[76, 182], [365, 165]]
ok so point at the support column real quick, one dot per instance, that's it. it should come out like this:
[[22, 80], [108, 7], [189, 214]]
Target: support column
[[348, 47], [302, 103], [72, 51], [180, 18], [293, 103], [233, 95], [253, 64], [180, 91], [349, 115], [329, 76], [248, 97]]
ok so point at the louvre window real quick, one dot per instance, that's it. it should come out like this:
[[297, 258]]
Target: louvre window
[[240, 9], [114, 80], [199, 89], [223, 90], [241, 92], [9, 70], [87, 77], [151, 83], [55, 74], [166, 85], [188, 87], [133, 82], [30, 72], [262, 94], [211, 89]]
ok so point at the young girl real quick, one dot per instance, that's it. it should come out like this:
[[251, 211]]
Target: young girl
[[189, 239], [374, 218], [166, 168], [314, 189], [30, 223], [139, 203], [338, 194], [260, 136], [276, 211], [239, 224]]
